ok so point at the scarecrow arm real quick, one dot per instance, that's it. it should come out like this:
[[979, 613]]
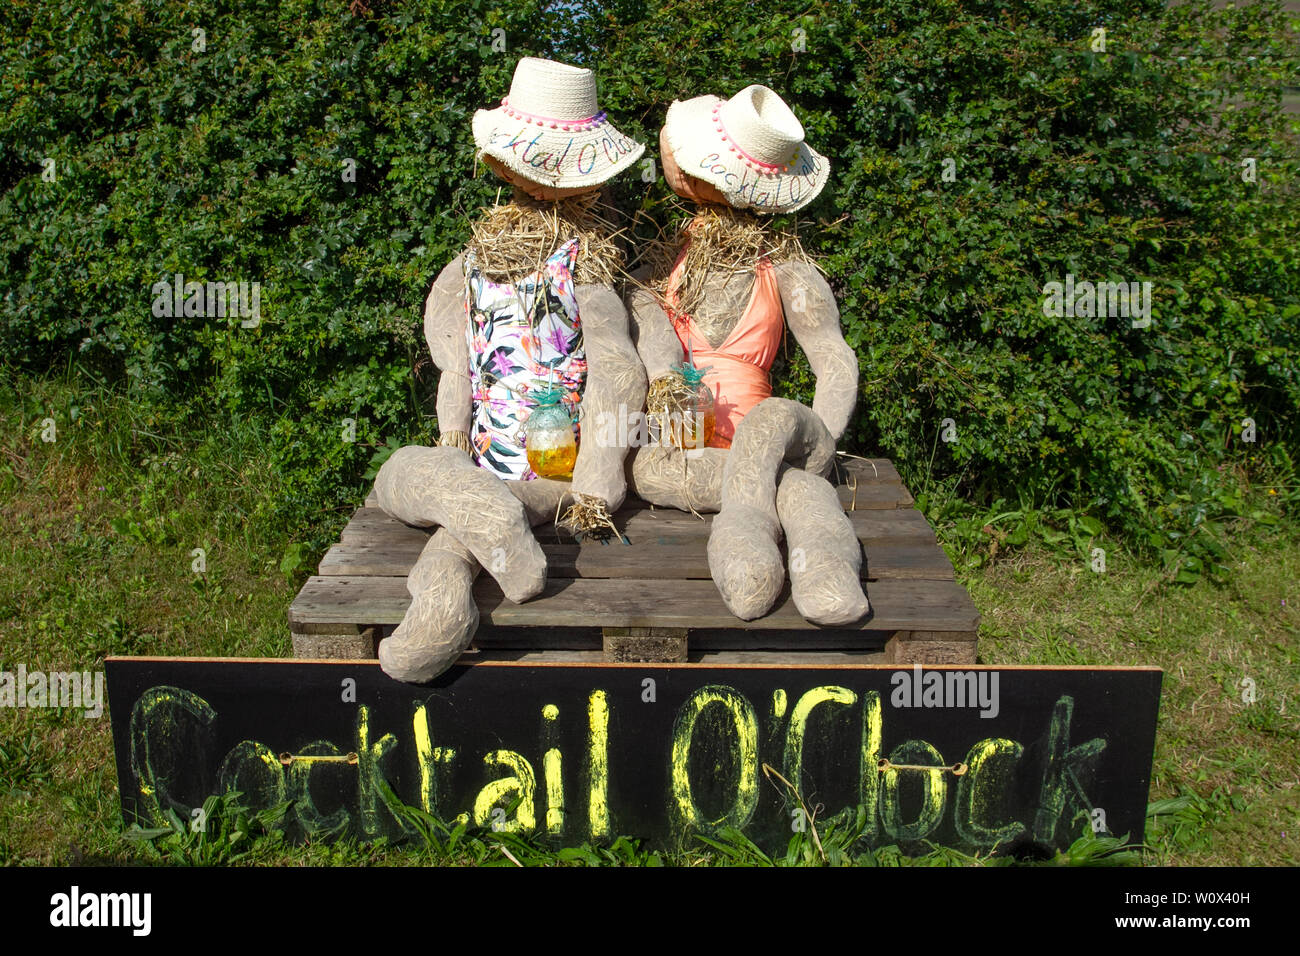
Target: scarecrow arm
[[814, 318], [656, 342], [444, 330], [615, 388]]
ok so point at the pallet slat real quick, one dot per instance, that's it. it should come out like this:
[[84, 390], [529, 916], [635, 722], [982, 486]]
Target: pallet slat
[[373, 528], [886, 560], [706, 658], [576, 602]]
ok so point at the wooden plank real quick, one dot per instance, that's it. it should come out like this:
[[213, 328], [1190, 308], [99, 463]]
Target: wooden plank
[[868, 469], [896, 605], [289, 662], [703, 658], [491, 638], [680, 559], [786, 658], [634, 751], [890, 561], [875, 496], [661, 558], [372, 528]]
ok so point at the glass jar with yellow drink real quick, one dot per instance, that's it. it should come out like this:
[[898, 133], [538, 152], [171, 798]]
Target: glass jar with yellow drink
[[549, 443], [698, 417]]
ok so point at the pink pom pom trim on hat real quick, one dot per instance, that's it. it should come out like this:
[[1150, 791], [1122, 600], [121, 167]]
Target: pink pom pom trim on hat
[[568, 125]]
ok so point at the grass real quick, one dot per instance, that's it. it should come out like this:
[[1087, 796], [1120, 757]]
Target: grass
[[1233, 763], [97, 533]]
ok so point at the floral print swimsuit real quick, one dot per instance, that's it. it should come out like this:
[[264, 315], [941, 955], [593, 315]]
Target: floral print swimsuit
[[524, 338]]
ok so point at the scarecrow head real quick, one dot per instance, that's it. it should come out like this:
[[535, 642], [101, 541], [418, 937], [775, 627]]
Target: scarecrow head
[[747, 152], [550, 137]]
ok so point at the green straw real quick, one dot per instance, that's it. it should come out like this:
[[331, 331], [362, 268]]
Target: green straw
[[692, 374]]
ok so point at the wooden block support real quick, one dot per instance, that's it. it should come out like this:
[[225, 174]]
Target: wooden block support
[[359, 645], [644, 645], [931, 647]]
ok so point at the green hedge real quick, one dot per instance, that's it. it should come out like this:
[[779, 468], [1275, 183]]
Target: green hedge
[[1123, 165]]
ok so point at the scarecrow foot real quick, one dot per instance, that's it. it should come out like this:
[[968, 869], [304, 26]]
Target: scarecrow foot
[[825, 555], [744, 560], [442, 617]]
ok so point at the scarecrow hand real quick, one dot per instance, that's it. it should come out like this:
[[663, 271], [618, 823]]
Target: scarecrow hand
[[670, 477]]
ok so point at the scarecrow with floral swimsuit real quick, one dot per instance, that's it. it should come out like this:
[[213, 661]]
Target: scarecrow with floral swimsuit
[[527, 316]]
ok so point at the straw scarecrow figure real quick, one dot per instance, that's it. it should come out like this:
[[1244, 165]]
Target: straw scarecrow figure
[[717, 298], [527, 331]]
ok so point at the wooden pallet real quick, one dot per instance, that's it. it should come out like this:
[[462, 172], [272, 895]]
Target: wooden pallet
[[654, 600]]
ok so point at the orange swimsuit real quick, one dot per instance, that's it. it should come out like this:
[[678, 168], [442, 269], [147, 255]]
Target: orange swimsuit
[[739, 375]]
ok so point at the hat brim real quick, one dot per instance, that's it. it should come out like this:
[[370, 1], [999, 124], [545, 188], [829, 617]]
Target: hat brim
[[553, 156], [700, 152]]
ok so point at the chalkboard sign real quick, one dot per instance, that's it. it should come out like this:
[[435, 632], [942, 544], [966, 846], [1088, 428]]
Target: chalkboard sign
[[979, 758]]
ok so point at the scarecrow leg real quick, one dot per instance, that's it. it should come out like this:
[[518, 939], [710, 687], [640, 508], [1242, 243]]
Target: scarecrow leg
[[441, 486], [442, 617], [825, 555], [743, 555], [670, 477]]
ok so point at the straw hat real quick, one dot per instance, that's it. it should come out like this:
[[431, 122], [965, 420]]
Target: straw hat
[[750, 147], [551, 130]]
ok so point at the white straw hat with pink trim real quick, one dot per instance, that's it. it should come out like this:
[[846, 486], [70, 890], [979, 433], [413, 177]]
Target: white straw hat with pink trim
[[751, 147], [551, 130]]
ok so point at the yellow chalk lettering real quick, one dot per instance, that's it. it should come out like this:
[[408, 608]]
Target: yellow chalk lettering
[[428, 757], [934, 791], [496, 794], [163, 720], [746, 751], [369, 757], [551, 765], [794, 737], [869, 775], [424, 756], [251, 768], [598, 805], [978, 790], [317, 825], [552, 770]]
